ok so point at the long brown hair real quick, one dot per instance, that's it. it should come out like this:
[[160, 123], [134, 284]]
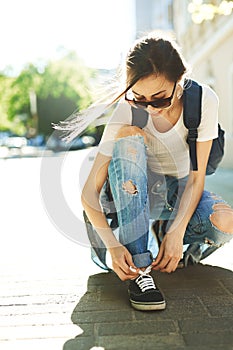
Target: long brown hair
[[156, 53]]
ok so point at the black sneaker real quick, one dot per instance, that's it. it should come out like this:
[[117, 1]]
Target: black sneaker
[[144, 295]]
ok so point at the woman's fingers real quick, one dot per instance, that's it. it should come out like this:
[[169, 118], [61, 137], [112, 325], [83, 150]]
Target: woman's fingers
[[167, 264], [159, 258], [125, 275], [123, 264]]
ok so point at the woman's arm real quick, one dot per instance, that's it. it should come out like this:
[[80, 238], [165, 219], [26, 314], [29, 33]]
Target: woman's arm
[[90, 199], [121, 258], [171, 249]]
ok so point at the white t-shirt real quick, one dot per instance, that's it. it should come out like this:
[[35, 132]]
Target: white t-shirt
[[167, 152]]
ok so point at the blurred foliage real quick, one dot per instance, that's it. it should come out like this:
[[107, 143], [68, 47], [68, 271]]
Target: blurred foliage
[[19, 101], [67, 78]]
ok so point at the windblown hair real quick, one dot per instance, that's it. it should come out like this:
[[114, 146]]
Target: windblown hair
[[155, 54]]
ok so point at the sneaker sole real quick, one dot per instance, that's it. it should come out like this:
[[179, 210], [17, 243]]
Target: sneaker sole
[[148, 306]]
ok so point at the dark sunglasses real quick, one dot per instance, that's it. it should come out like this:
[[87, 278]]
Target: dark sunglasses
[[157, 103]]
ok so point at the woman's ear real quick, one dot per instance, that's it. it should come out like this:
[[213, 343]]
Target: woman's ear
[[179, 91]]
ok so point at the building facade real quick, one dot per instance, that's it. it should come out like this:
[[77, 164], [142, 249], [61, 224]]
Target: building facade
[[153, 14], [208, 47]]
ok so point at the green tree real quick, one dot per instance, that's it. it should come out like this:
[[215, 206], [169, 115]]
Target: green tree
[[5, 92], [61, 87], [65, 87], [68, 77], [19, 102]]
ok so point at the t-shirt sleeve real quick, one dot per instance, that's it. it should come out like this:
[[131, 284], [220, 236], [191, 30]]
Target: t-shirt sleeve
[[121, 116], [208, 128]]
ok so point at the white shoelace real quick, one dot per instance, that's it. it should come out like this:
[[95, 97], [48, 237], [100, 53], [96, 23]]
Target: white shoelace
[[145, 281], [146, 271]]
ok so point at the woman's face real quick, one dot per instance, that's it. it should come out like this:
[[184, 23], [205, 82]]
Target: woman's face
[[154, 87]]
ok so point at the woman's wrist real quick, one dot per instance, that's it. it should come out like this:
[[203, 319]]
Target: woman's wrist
[[107, 237], [177, 230], [112, 246]]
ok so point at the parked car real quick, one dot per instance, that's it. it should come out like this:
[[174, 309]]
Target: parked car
[[36, 141], [4, 135], [15, 142], [55, 143]]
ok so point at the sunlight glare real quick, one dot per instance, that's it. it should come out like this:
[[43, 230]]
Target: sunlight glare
[[99, 31]]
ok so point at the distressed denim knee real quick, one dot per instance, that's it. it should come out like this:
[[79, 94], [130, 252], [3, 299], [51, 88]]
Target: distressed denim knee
[[201, 228]]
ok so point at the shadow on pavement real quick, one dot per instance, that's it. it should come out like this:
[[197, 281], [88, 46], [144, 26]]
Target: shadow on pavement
[[199, 313]]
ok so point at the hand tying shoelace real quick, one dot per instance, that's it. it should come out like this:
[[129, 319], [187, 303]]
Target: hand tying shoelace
[[141, 272], [146, 271], [144, 280], [144, 294]]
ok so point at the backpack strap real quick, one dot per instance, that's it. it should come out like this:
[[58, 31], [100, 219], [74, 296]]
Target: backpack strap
[[192, 98], [192, 117], [139, 117]]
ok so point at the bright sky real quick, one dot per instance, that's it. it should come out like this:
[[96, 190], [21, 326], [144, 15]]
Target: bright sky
[[98, 30]]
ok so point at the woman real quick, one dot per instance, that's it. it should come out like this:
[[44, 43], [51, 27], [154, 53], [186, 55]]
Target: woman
[[149, 174]]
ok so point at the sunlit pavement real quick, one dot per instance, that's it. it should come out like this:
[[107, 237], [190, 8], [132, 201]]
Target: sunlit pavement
[[45, 274]]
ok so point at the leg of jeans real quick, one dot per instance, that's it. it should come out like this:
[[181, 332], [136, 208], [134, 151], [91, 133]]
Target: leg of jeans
[[128, 182], [201, 231], [98, 249]]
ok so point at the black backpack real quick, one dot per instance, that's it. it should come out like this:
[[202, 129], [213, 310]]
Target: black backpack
[[192, 100]]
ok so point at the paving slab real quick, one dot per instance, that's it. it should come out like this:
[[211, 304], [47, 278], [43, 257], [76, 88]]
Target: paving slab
[[196, 319], [53, 297]]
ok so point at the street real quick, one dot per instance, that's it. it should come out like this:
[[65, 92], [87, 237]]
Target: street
[[44, 267], [43, 273]]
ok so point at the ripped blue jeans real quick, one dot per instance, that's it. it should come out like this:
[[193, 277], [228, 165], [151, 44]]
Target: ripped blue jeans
[[139, 195]]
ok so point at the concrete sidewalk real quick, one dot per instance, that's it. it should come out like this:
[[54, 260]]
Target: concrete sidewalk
[[53, 297], [199, 313]]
